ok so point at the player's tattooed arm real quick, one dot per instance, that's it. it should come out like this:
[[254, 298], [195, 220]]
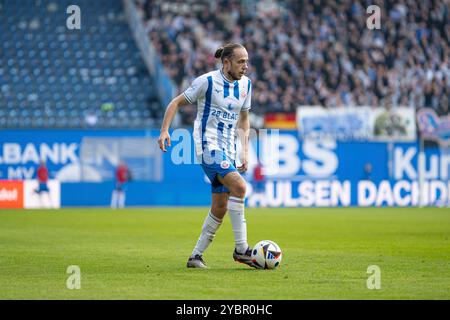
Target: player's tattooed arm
[[171, 111], [243, 136]]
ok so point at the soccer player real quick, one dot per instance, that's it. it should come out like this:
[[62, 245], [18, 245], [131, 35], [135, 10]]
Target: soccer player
[[123, 175], [42, 177], [223, 99]]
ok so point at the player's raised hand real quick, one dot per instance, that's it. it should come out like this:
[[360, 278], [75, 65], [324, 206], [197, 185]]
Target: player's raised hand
[[163, 137]]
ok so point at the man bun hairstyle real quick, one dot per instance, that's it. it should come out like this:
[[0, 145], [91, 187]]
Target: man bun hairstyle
[[227, 50], [218, 53]]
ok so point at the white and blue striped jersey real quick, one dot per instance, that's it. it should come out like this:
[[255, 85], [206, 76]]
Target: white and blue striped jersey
[[219, 102]]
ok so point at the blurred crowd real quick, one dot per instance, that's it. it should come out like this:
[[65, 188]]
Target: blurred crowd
[[315, 52]]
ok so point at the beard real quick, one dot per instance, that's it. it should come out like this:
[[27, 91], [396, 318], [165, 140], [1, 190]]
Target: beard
[[234, 75]]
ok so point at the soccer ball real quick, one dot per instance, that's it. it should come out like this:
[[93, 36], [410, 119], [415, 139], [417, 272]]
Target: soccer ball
[[266, 254]]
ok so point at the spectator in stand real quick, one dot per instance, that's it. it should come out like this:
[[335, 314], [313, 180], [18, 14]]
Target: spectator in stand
[[122, 176], [311, 52]]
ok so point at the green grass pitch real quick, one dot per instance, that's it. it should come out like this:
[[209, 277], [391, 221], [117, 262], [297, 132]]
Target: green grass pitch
[[142, 253]]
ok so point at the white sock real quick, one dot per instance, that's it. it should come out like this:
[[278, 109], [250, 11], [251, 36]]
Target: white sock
[[50, 203], [114, 199], [236, 212], [41, 202], [121, 199], [210, 226]]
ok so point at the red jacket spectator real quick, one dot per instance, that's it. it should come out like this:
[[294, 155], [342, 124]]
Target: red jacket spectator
[[42, 174], [257, 173], [122, 173]]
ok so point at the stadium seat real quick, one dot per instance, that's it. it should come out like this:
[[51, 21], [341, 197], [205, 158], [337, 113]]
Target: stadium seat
[[51, 76]]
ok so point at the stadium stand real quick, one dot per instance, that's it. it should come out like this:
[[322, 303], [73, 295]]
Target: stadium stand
[[315, 52], [53, 77]]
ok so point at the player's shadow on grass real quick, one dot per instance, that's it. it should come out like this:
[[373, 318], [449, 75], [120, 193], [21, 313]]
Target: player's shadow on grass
[[221, 269]]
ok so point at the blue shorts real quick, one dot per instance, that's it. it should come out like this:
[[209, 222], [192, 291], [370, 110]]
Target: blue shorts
[[216, 163], [120, 186], [259, 186], [42, 188]]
